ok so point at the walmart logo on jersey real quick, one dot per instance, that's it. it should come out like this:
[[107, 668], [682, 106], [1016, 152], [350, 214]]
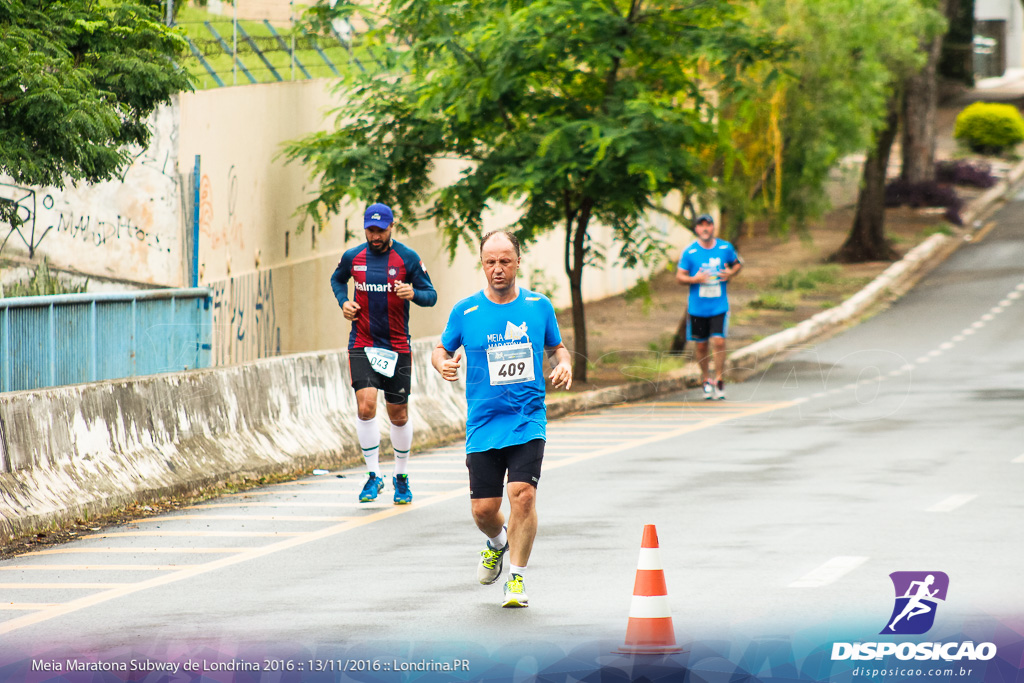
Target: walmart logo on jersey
[[513, 333]]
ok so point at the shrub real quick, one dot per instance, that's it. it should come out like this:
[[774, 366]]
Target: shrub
[[43, 283], [989, 128], [916, 195], [964, 172]]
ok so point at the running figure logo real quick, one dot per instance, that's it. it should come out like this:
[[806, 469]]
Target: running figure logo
[[917, 597], [514, 332]]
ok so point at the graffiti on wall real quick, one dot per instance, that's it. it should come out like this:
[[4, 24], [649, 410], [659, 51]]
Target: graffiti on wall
[[229, 231], [128, 228], [245, 323], [36, 222]]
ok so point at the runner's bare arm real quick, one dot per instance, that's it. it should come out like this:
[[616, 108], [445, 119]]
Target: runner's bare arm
[[446, 364], [683, 277], [562, 374], [732, 270]]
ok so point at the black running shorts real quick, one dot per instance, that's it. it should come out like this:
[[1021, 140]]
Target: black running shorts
[[487, 468], [700, 329], [396, 389]]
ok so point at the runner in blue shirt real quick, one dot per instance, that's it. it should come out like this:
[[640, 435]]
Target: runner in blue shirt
[[505, 331], [706, 266]]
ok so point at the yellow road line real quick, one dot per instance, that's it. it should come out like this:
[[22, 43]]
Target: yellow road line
[[197, 533], [985, 230], [277, 492], [61, 586], [283, 504], [247, 518], [108, 549], [245, 554], [642, 441], [97, 567]]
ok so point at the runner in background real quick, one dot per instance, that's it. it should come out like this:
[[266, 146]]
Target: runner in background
[[386, 276], [706, 266]]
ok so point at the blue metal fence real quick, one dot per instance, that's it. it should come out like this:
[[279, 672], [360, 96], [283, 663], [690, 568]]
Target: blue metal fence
[[71, 338]]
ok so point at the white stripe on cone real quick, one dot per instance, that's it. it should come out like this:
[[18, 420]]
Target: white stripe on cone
[[650, 558], [649, 607]]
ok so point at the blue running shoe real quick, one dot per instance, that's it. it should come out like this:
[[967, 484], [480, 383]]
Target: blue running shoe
[[371, 488], [403, 496]]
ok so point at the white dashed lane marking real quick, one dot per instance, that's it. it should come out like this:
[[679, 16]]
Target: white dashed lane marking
[[830, 572], [952, 503], [928, 356]]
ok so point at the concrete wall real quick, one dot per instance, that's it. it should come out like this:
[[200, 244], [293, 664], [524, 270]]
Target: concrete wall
[[1012, 12], [271, 275], [84, 450], [128, 229], [277, 11]]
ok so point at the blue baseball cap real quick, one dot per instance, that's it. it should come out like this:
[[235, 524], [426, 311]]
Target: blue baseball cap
[[378, 216], [704, 218]]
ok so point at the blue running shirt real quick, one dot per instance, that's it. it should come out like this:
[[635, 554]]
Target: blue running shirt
[[708, 299], [504, 362]]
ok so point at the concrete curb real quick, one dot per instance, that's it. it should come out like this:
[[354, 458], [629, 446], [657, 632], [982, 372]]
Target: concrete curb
[[893, 281]]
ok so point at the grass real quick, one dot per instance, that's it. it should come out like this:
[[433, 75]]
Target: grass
[[773, 301], [42, 283], [940, 229], [651, 366], [807, 279], [191, 20]]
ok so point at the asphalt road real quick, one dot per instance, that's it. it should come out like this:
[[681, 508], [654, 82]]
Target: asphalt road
[[897, 445]]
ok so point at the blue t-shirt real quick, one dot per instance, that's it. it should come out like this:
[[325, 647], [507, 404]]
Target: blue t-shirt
[[710, 298], [504, 363]]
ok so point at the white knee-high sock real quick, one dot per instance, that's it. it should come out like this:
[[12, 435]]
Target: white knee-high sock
[[401, 440], [369, 441]]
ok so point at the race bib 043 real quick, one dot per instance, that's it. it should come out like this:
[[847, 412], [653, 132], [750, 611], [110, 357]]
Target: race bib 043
[[382, 360], [510, 364]]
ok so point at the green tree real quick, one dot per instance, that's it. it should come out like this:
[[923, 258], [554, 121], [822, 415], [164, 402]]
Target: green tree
[[785, 129], [903, 55], [78, 79], [574, 111]]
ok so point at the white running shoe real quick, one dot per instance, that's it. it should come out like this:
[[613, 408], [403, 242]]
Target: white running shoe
[[491, 562], [720, 391], [515, 592], [709, 390]]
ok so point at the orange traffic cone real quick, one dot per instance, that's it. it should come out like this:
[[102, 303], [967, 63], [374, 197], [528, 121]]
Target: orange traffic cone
[[650, 623]]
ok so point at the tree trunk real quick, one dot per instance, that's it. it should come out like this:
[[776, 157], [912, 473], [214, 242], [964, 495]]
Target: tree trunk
[[679, 340], [575, 258], [920, 103], [866, 241]]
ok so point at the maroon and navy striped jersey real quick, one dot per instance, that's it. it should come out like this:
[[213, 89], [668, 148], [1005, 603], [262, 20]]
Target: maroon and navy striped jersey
[[383, 319]]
